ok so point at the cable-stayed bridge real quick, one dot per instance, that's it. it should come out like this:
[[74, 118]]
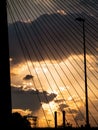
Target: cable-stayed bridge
[[47, 59]]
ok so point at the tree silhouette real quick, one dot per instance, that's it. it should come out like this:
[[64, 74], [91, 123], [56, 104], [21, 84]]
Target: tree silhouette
[[19, 121]]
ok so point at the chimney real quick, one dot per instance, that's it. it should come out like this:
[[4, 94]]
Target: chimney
[[63, 113], [55, 118]]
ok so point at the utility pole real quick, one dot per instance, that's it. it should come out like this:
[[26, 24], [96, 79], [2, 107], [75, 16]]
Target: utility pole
[[5, 89], [85, 71]]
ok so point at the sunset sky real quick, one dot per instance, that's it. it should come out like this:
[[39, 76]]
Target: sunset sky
[[47, 61]]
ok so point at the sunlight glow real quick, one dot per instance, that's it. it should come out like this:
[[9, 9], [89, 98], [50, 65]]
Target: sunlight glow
[[62, 12], [21, 70]]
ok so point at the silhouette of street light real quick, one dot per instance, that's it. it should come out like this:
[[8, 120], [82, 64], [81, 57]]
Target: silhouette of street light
[[85, 72]]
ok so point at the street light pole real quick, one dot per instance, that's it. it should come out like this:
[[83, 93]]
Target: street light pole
[[85, 71]]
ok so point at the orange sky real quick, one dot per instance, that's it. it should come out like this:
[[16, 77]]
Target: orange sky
[[47, 62]]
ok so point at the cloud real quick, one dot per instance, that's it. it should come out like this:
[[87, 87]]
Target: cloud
[[91, 3], [22, 111], [28, 77], [87, 5], [54, 36], [59, 100], [74, 111], [31, 99], [63, 106], [62, 12], [79, 117], [49, 97]]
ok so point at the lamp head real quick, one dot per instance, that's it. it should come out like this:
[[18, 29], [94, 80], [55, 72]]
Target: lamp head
[[80, 19]]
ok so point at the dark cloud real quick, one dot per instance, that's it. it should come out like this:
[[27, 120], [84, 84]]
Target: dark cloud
[[89, 6], [74, 111], [28, 77], [49, 97], [53, 36], [92, 3], [59, 100], [31, 99], [63, 106], [79, 117]]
